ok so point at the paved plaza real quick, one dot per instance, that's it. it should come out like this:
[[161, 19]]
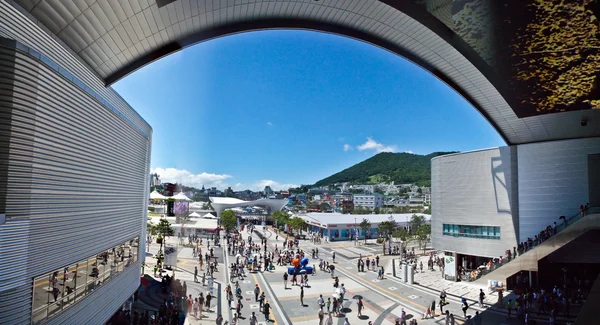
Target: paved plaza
[[384, 299]]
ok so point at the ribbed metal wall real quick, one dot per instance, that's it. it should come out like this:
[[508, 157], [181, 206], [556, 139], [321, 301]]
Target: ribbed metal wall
[[76, 184], [18, 24], [553, 181], [475, 188]]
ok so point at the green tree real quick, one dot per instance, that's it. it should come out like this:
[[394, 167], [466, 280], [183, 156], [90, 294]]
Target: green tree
[[228, 220], [151, 228], [297, 224], [365, 225], [423, 235], [324, 206], [403, 236], [280, 217], [416, 222], [163, 229], [361, 210], [377, 210], [387, 227]]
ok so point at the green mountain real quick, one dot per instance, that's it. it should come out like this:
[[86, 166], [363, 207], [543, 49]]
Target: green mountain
[[387, 167]]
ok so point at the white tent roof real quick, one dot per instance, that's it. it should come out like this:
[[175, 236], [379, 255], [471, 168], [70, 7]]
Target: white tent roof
[[181, 197], [195, 214], [156, 196], [209, 216]]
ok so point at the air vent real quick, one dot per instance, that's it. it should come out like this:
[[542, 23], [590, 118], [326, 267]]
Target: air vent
[[162, 3]]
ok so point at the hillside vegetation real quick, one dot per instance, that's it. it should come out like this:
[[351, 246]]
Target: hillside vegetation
[[387, 167]]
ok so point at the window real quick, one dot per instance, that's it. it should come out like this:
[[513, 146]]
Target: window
[[58, 290], [481, 232]]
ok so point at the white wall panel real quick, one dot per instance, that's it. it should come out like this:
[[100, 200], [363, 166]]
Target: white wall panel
[[73, 182], [475, 188], [553, 181]]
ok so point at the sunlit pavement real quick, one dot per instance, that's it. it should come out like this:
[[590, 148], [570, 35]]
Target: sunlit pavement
[[383, 299], [184, 271]]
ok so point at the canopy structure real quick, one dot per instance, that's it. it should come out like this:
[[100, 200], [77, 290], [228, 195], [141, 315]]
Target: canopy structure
[[157, 196], [195, 215], [222, 203], [209, 216], [181, 197]]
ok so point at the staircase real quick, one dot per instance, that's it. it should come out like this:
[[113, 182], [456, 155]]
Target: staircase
[[576, 226]]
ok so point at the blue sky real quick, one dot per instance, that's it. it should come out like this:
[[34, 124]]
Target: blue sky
[[285, 108]]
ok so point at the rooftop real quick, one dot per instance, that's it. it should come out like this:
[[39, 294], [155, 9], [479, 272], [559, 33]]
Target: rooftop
[[339, 218]]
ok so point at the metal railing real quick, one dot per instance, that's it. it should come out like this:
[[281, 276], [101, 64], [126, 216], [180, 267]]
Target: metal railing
[[476, 274]]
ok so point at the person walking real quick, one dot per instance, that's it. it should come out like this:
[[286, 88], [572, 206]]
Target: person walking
[[464, 307], [329, 319], [239, 306], [481, 297], [360, 306], [195, 274], [321, 302], [427, 313], [267, 310], [285, 279], [321, 315], [433, 309], [346, 321], [302, 296], [328, 305], [256, 293], [253, 320]]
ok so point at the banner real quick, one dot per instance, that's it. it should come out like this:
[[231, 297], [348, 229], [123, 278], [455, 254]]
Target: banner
[[450, 266], [181, 207]]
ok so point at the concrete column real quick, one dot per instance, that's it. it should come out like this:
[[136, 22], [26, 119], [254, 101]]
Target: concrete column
[[411, 275], [404, 272], [530, 279]]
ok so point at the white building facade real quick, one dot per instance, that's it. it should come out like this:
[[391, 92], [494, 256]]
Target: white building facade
[[370, 201], [488, 201]]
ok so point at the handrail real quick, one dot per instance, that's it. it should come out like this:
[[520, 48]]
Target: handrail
[[534, 243]]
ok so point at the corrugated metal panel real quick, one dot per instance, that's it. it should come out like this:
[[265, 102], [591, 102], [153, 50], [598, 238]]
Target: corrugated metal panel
[[76, 184], [15, 25], [475, 188], [553, 181]]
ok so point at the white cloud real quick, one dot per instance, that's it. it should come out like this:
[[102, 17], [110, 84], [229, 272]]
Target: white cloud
[[409, 151], [275, 186], [347, 147], [182, 176], [269, 124], [220, 181], [371, 144]]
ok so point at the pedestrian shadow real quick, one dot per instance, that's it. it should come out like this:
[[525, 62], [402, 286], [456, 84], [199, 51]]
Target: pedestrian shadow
[[363, 317], [346, 310]]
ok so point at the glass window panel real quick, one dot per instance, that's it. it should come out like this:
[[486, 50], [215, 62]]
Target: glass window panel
[[42, 293], [80, 275]]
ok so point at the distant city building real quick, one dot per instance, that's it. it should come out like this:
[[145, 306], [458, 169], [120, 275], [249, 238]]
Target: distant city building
[[427, 199], [229, 192], [154, 179], [268, 191], [347, 206], [370, 201]]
